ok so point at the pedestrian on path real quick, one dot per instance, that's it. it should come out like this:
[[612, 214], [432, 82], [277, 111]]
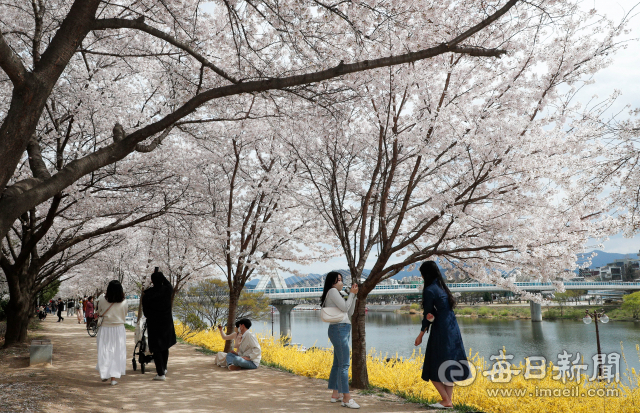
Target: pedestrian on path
[[80, 313], [444, 346], [88, 310], [156, 306], [60, 307], [111, 338], [84, 308], [339, 333]]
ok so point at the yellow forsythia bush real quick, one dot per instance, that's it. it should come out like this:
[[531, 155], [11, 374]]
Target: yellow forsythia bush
[[402, 376]]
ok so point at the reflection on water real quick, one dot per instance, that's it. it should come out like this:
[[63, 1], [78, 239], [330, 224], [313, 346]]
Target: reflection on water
[[392, 334]]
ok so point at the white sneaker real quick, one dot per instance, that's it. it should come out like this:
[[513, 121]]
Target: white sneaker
[[113, 382], [351, 404], [165, 372], [339, 399], [161, 378]]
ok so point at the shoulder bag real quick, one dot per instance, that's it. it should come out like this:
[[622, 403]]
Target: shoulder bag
[[331, 314], [101, 317]]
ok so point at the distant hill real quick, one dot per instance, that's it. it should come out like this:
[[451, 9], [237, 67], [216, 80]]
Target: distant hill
[[600, 260], [604, 258], [316, 279]]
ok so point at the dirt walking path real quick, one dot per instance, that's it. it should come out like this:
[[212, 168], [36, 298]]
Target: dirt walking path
[[193, 383]]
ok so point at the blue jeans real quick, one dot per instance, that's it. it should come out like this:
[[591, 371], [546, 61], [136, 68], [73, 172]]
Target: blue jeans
[[240, 362], [339, 336]]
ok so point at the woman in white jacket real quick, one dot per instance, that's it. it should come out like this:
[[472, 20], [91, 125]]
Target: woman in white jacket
[[339, 334], [112, 340]]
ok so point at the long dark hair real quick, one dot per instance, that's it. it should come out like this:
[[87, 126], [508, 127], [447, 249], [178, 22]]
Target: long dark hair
[[331, 279], [430, 273], [115, 293]]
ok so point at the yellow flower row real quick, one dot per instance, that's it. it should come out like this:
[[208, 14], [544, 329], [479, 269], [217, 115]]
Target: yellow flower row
[[402, 376]]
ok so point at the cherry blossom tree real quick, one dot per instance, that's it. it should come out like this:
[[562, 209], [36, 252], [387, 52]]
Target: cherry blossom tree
[[476, 162], [247, 213], [54, 238], [151, 65]]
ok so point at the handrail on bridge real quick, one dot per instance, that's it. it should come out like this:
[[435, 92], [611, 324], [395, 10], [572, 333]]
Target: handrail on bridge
[[300, 290]]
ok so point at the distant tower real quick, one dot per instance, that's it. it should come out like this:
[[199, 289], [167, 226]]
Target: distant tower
[[265, 280]]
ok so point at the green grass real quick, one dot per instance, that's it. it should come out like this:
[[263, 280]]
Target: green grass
[[130, 327], [206, 351]]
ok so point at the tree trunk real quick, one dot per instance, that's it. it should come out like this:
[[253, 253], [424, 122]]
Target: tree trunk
[[19, 309], [234, 298], [359, 373]]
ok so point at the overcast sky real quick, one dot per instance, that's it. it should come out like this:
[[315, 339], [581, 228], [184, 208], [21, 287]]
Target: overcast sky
[[622, 75]]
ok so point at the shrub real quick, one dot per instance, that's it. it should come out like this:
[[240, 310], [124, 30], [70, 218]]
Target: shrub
[[401, 376], [484, 312], [464, 311], [552, 314]]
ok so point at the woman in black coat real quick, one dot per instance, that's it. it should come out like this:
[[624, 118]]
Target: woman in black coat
[[445, 360], [156, 306]]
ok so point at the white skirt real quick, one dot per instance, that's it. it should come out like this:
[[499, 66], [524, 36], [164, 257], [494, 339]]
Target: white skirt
[[112, 351]]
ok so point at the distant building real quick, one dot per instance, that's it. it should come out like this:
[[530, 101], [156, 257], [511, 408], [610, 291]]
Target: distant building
[[625, 269], [413, 279]]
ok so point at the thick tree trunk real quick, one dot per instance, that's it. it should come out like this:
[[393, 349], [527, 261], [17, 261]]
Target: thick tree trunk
[[359, 373], [19, 309], [231, 316]]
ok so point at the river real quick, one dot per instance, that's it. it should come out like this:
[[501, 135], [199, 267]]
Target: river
[[391, 334]]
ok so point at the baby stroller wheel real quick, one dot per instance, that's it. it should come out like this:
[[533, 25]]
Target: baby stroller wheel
[[142, 368], [135, 365]]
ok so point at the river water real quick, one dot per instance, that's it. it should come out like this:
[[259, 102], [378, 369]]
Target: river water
[[390, 333]]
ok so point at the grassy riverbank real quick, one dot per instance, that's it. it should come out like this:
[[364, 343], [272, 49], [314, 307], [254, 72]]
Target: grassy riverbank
[[615, 312], [401, 376]]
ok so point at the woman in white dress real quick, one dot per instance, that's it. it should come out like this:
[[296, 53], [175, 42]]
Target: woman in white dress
[[112, 341]]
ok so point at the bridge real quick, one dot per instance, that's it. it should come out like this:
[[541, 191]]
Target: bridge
[[281, 298], [408, 289]]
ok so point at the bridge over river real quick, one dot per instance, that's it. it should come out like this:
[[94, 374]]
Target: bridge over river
[[283, 298]]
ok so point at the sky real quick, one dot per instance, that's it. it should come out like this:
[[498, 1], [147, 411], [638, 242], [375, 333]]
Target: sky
[[623, 75]]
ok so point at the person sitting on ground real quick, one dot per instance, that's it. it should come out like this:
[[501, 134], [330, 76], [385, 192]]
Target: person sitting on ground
[[249, 353], [235, 337]]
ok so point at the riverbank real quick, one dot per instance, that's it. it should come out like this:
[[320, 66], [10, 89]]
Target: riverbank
[[516, 311], [193, 383]]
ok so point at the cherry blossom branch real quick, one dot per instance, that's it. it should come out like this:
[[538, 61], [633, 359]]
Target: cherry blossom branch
[[11, 63], [153, 144], [138, 24], [11, 207]]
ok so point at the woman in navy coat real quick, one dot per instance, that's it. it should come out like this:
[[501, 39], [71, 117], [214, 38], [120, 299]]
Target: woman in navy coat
[[445, 360]]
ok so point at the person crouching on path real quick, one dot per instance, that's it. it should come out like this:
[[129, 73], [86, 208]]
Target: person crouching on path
[[249, 353], [111, 338], [339, 336], [156, 306], [444, 347]]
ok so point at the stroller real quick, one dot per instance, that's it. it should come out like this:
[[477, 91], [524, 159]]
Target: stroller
[[141, 350]]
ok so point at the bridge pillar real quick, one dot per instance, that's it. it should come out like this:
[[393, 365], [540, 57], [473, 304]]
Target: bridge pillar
[[536, 311], [284, 309]]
